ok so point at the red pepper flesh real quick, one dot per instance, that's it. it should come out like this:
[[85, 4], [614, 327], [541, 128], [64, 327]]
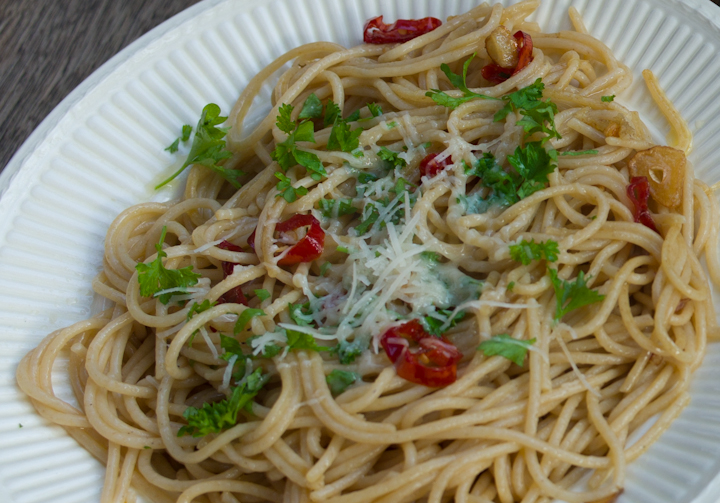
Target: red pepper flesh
[[234, 295], [497, 74], [430, 167], [310, 246], [639, 192], [432, 363], [402, 30]]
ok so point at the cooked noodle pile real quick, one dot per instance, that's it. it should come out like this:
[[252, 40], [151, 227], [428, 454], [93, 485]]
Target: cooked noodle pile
[[290, 372]]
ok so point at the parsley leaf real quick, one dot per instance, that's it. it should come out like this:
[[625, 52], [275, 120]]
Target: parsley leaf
[[430, 256], [232, 347], [245, 317], [208, 147], [173, 147], [262, 294], [301, 314], [347, 352], [300, 340], [533, 163], [392, 157], [570, 295], [536, 112], [434, 324], [459, 81], [525, 252], [153, 277], [506, 346], [332, 112], [287, 154], [269, 350], [607, 99], [339, 380], [218, 416], [286, 189], [324, 268], [375, 109], [312, 108], [333, 208], [510, 286], [199, 308], [370, 216], [186, 132], [342, 138]]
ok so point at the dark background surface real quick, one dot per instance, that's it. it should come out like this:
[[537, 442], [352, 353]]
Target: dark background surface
[[48, 47]]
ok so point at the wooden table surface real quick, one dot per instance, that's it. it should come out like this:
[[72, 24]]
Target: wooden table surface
[[49, 47]]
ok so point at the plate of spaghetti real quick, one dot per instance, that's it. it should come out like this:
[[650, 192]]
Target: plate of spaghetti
[[353, 252]]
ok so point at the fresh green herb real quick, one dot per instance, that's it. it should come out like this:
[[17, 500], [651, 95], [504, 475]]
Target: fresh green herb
[[342, 138], [231, 347], [173, 147], [146, 447], [570, 295], [525, 252], [199, 308], [287, 154], [269, 350], [580, 152], [208, 147], [375, 109], [510, 286], [430, 256], [347, 352], [353, 117], [533, 163], [536, 112], [340, 380], [364, 178], [392, 157], [332, 113], [607, 99], [400, 185], [370, 216], [342, 249], [507, 347], [218, 416], [301, 314], [154, 277], [434, 324], [245, 317], [392, 125], [312, 108], [358, 153], [262, 294], [286, 189], [300, 340], [333, 208], [324, 268], [459, 81]]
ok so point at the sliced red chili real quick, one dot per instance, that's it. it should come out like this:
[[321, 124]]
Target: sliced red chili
[[431, 362], [234, 295], [310, 246], [639, 192], [402, 30], [430, 167], [497, 74]]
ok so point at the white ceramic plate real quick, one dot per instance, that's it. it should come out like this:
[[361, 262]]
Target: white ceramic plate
[[101, 151]]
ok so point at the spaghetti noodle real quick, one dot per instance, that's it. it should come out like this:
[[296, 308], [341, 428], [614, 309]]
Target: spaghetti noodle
[[446, 274]]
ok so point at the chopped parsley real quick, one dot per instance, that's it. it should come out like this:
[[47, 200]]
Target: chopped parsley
[[571, 295], [347, 352], [525, 252], [392, 157], [262, 294], [199, 308], [459, 81], [185, 136], [340, 380], [370, 216], [440, 321], [218, 416], [287, 154], [286, 189], [154, 277], [507, 347], [301, 314], [580, 152], [208, 147], [312, 108], [607, 99], [334, 208], [533, 163], [324, 268], [245, 317], [300, 340], [538, 115]]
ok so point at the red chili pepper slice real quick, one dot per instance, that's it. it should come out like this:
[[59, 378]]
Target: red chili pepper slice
[[234, 295], [639, 192], [497, 74], [430, 167], [432, 363], [402, 30], [310, 246]]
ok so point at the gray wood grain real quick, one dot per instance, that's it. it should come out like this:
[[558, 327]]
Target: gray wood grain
[[47, 48]]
